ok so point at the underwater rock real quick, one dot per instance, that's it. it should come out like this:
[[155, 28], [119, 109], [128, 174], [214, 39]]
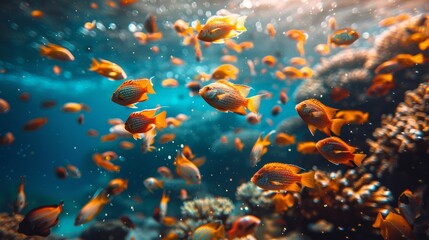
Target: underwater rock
[[112, 230]]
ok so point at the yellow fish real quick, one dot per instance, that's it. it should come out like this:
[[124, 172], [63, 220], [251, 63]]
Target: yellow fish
[[108, 69], [219, 28]]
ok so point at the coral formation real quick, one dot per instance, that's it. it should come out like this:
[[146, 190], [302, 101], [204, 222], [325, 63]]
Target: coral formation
[[253, 198], [205, 210]]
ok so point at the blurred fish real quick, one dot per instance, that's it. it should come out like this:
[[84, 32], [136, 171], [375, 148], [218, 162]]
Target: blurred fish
[[209, 231], [170, 82], [35, 124], [124, 3], [115, 121], [332, 24], [253, 118], [81, 119], [243, 226], [133, 91], [318, 116], [344, 37], [108, 137], [148, 140], [276, 110], [183, 194], [271, 30], [298, 61], [150, 24], [279, 75], [105, 164], [164, 172], [260, 148], [269, 60], [307, 148], [280, 176], [322, 49], [126, 145], [238, 144], [393, 226], [246, 45], [92, 132], [109, 156], [25, 96], [72, 107], [399, 62], [337, 94], [393, 20], [163, 206], [168, 221], [381, 85], [153, 183], [116, 186], [282, 202], [337, 152], [144, 121], [166, 138], [283, 97], [226, 96], [251, 67], [48, 104], [409, 206], [39, 221], [353, 117], [187, 170], [225, 71], [108, 69], [73, 171], [7, 139], [61, 172], [127, 222], [219, 28], [223, 139], [92, 208], [20, 199], [37, 14], [89, 25], [283, 139], [56, 52], [194, 87], [292, 72], [306, 72], [300, 37], [182, 28], [176, 61], [229, 58]]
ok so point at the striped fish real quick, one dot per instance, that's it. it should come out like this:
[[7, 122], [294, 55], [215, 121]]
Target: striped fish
[[144, 121], [133, 91], [209, 231], [39, 221]]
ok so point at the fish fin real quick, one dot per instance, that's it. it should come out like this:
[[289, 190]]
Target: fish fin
[[160, 120], [294, 187], [312, 129], [317, 114], [85, 107], [149, 87], [131, 105], [220, 232], [276, 183], [326, 131], [253, 103], [294, 168], [365, 117], [264, 150], [239, 24], [418, 58], [220, 96], [307, 179], [336, 125], [358, 157], [240, 110], [266, 140], [150, 113], [330, 112], [137, 136], [198, 26], [199, 161], [378, 220], [94, 65], [44, 49], [106, 62], [143, 97], [242, 89]]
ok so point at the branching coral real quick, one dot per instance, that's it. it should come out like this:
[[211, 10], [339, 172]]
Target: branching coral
[[253, 198], [206, 210]]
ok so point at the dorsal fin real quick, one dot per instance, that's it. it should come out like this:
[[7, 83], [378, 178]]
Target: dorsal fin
[[294, 168], [105, 61], [225, 82], [243, 89]]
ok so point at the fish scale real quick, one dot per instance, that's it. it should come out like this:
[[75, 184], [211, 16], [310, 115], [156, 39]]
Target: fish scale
[[131, 93]]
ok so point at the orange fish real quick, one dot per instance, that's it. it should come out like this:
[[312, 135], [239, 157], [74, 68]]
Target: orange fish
[[399, 62], [260, 148], [243, 226], [73, 107], [55, 52], [280, 75], [163, 206], [253, 118], [393, 20], [381, 85], [166, 138], [182, 28], [238, 144], [269, 60], [169, 221], [109, 156], [344, 37], [89, 25], [300, 37], [92, 132], [306, 72], [298, 61], [337, 94], [153, 183], [74, 171], [165, 172], [283, 139], [170, 82], [332, 23], [224, 139], [292, 72], [37, 14], [141, 37], [116, 186], [106, 165], [176, 61], [144, 121], [322, 49], [126, 145], [187, 170], [39, 221], [61, 172], [283, 97], [108, 137], [108, 69], [280, 176], [231, 44], [92, 208], [7, 139], [183, 194], [209, 231], [133, 91], [148, 140], [20, 199], [4, 106], [282, 202], [226, 96], [150, 24], [171, 236], [35, 123], [393, 226], [246, 45], [56, 70], [318, 116], [271, 30], [307, 148], [124, 3], [251, 67], [353, 117], [337, 152], [225, 71], [276, 110], [229, 58], [219, 28]]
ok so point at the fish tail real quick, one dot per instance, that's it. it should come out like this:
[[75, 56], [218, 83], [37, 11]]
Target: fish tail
[[267, 137], [198, 26], [137, 136], [150, 89], [85, 107], [358, 157], [43, 50], [94, 65], [307, 179], [239, 24], [160, 120], [418, 58], [253, 103], [365, 117], [221, 232], [336, 125]]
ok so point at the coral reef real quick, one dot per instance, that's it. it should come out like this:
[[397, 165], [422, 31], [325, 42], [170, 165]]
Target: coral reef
[[254, 199], [205, 210]]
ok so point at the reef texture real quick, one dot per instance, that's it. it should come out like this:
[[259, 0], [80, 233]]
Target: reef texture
[[112, 230], [207, 209]]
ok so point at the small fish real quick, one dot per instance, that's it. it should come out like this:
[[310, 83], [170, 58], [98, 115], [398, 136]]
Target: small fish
[[318, 116], [251, 67], [182, 28], [164, 172], [194, 87], [337, 152], [271, 30], [72, 107], [393, 20], [409, 206], [39, 221], [144, 121], [243, 226], [209, 231], [7, 139], [322, 49], [61, 172], [108, 69], [225, 71], [280, 176], [92, 208], [223, 139], [219, 28], [92, 132], [183, 194], [187, 170], [170, 82], [150, 24], [133, 91], [306, 72], [176, 61], [300, 37], [292, 72], [246, 45], [56, 70], [163, 205], [56, 52], [260, 148], [307, 148], [253, 118], [238, 144], [126, 145], [338, 93], [35, 124], [127, 222], [393, 226], [81, 119], [283, 139], [148, 140], [105, 164], [229, 58], [171, 236], [20, 199], [399, 62], [353, 117], [283, 97], [166, 138], [344, 37], [48, 104], [168, 221], [73, 171], [298, 61], [282, 202], [116, 186], [380, 88], [276, 110], [108, 137], [279, 75], [25, 96], [37, 14], [226, 96], [109, 156], [269, 60], [89, 25], [4, 106], [153, 183]]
